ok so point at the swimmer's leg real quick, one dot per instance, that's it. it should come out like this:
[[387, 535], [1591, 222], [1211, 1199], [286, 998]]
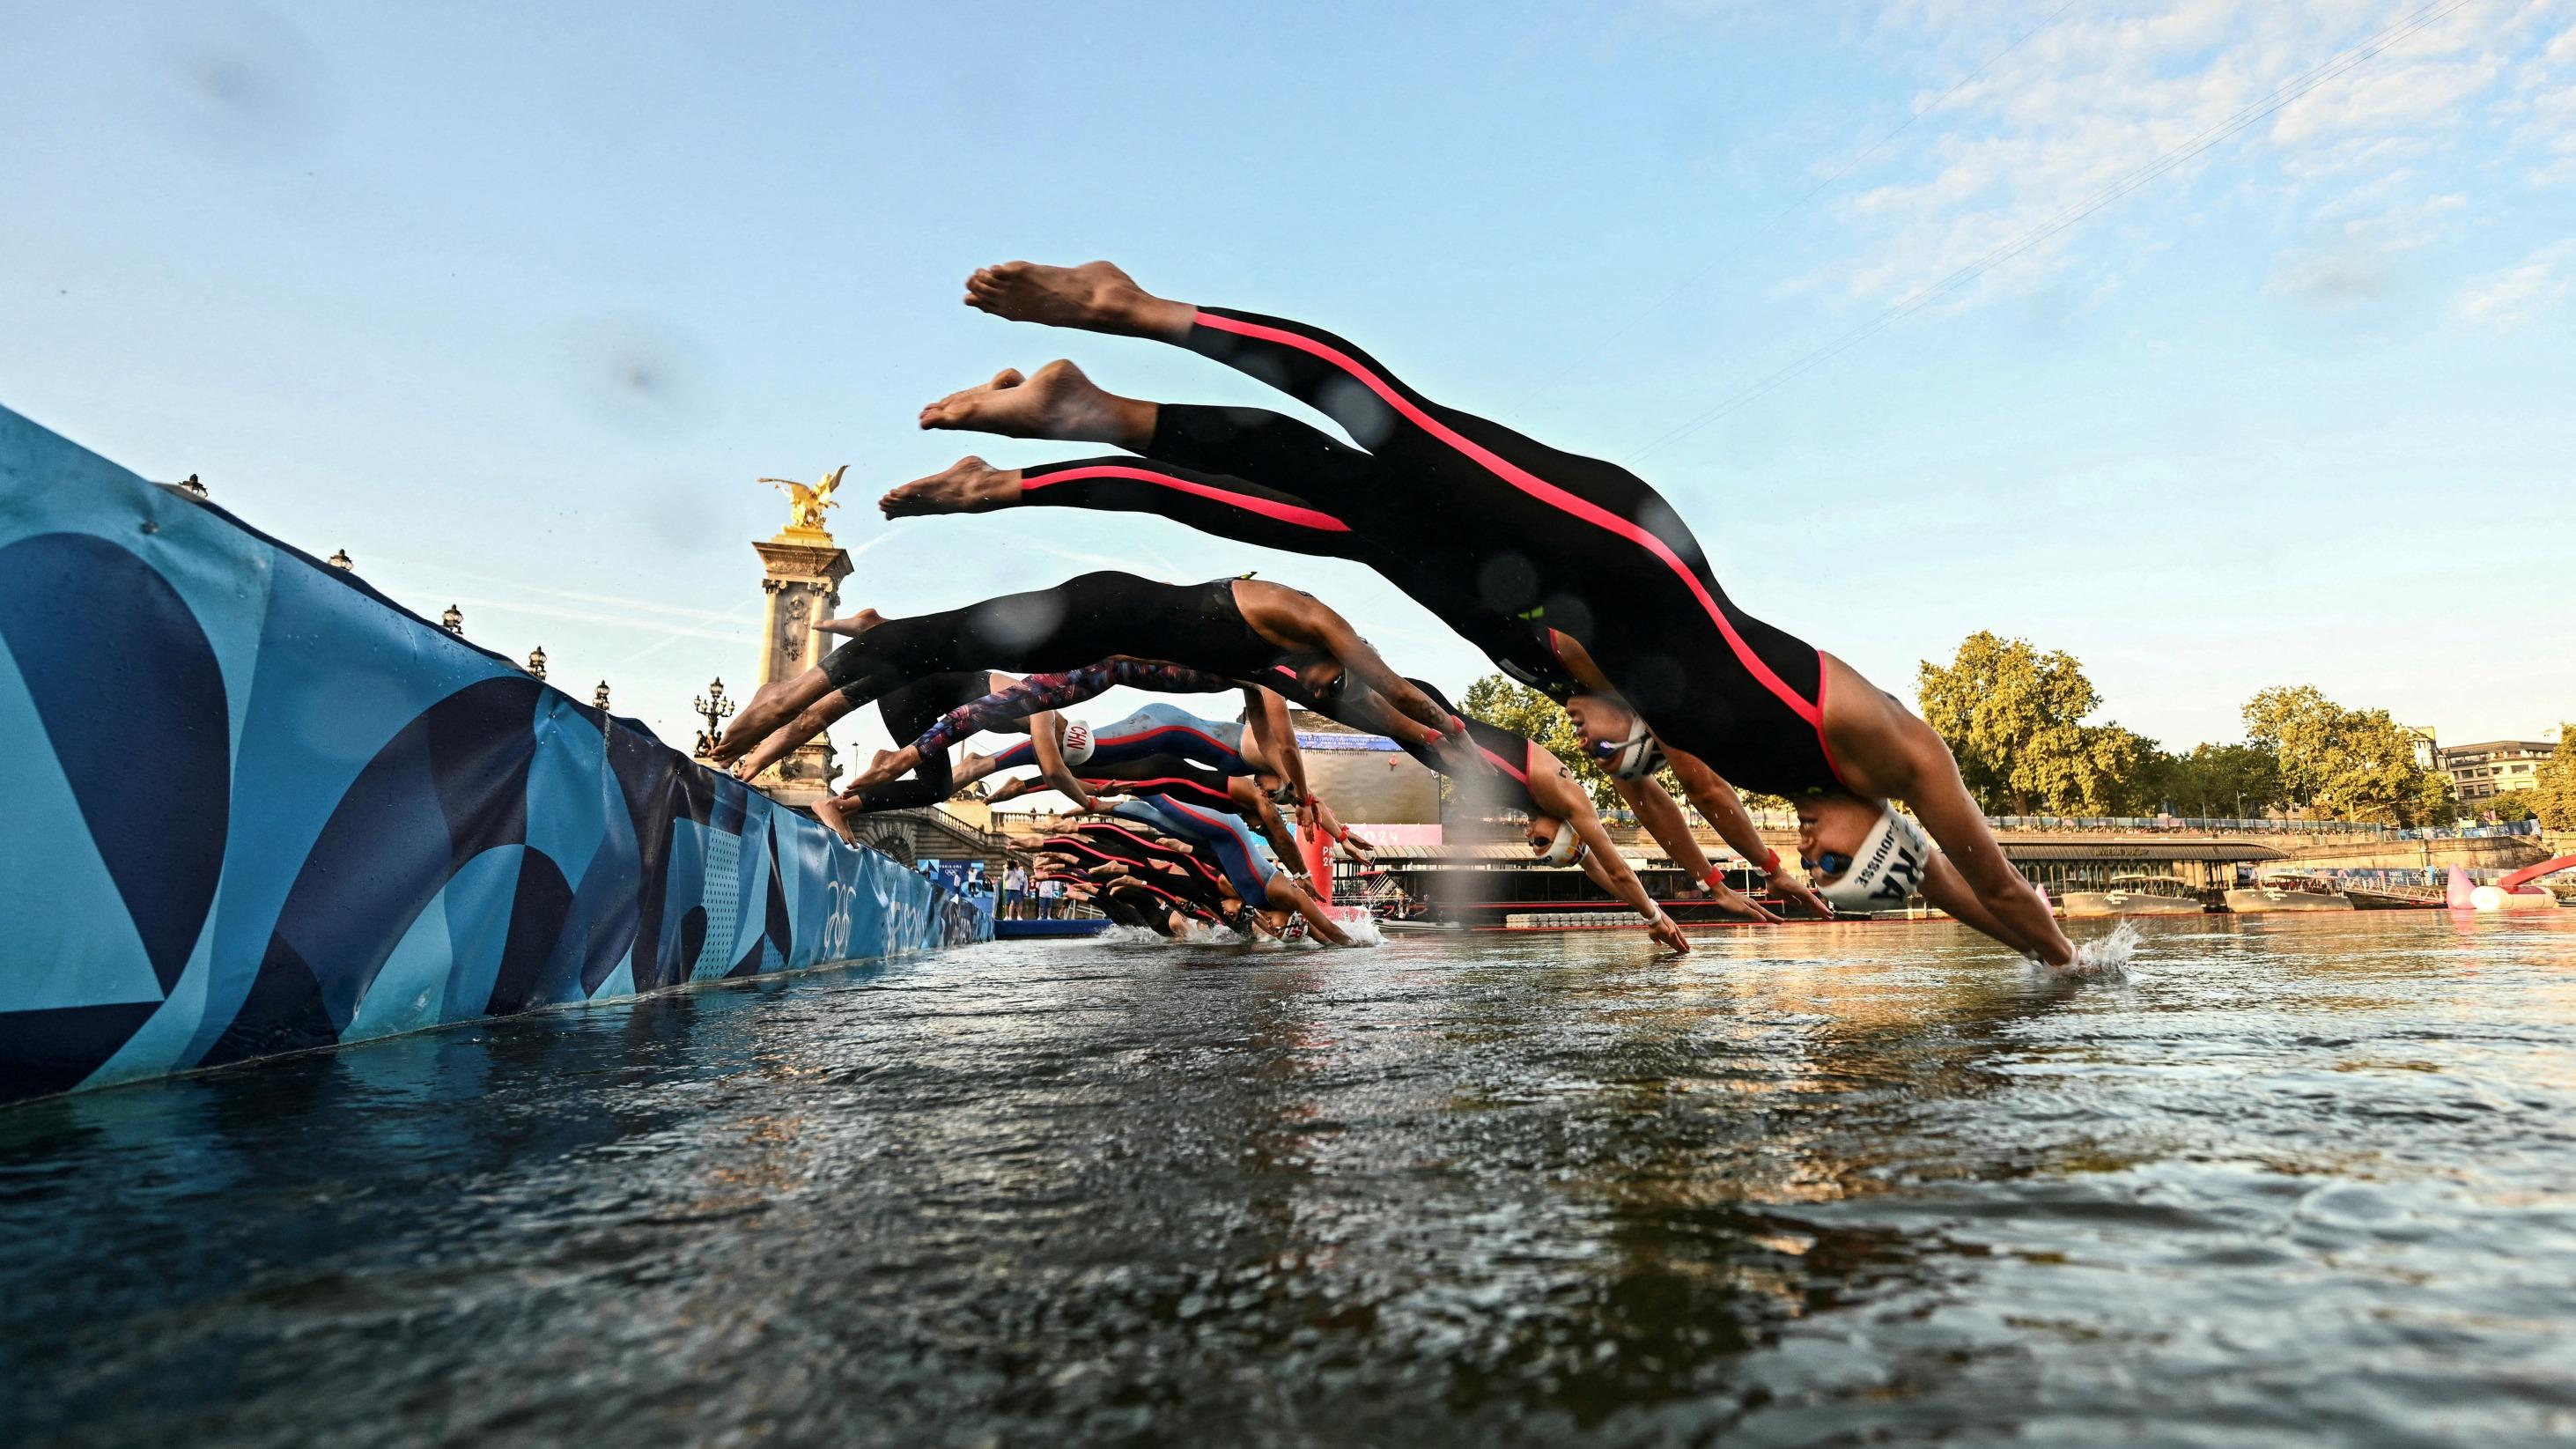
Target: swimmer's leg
[[1307, 363], [769, 707], [779, 743]]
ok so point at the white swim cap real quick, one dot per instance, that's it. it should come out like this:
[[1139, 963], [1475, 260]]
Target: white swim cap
[[1633, 758], [1077, 742], [1565, 849], [1886, 869]]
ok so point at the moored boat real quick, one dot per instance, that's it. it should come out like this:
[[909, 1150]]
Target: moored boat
[[2136, 895], [2286, 893]]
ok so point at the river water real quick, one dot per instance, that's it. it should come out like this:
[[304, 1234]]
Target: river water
[[2289, 1181]]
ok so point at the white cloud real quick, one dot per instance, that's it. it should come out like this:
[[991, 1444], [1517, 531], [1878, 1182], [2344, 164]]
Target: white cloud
[[2518, 294], [2095, 105], [2329, 277]]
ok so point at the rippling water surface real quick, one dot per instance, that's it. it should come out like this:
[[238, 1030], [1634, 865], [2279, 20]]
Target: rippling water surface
[[2291, 1181]]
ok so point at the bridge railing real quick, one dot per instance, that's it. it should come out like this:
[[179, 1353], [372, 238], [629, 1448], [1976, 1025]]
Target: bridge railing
[[2155, 825]]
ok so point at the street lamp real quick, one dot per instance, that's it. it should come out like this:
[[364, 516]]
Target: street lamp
[[453, 621], [537, 661], [715, 709], [599, 696]]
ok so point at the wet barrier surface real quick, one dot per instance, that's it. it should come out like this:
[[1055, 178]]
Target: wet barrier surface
[[2290, 1181]]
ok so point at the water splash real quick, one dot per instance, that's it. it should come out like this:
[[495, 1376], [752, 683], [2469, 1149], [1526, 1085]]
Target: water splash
[[2108, 958]]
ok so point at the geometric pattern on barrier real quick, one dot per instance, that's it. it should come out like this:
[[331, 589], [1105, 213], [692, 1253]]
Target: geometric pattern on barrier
[[254, 806]]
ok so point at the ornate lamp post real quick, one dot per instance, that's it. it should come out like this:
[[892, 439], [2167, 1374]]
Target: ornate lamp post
[[599, 696], [453, 621], [537, 661], [715, 709]]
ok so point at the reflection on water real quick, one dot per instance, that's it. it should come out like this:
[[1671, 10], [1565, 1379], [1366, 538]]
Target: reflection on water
[[2292, 1180]]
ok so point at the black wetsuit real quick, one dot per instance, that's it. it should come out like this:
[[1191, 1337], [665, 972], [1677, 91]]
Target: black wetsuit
[[1481, 525], [1077, 622], [1099, 843], [1209, 499], [909, 710], [1508, 751], [1162, 776]]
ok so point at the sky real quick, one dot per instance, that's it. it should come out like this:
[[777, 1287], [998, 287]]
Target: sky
[[2221, 345]]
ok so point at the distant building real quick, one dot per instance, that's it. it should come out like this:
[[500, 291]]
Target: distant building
[[2497, 767], [1365, 777], [2428, 749]]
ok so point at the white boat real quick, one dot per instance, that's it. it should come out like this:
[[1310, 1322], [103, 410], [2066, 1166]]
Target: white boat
[[2287, 893], [2136, 895]]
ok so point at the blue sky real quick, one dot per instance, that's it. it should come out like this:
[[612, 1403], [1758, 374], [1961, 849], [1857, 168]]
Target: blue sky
[[2296, 410]]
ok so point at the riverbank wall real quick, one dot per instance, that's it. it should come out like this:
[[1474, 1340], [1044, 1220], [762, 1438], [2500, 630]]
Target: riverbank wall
[[254, 806]]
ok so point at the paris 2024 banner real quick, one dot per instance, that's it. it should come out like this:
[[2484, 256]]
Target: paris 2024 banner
[[248, 805]]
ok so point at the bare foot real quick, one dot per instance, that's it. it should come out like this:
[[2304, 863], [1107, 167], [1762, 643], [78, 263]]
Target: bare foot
[[836, 818], [851, 624], [1055, 402], [1095, 297], [969, 485]]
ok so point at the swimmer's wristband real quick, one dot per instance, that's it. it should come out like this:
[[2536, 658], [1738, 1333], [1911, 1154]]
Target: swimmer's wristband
[[1771, 867], [1715, 880]]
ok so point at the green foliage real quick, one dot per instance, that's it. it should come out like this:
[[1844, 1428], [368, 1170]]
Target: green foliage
[[2510, 807], [2555, 800], [2219, 780], [2352, 764], [2014, 718]]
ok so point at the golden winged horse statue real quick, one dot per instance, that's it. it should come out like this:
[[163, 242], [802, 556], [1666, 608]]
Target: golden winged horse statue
[[805, 504]]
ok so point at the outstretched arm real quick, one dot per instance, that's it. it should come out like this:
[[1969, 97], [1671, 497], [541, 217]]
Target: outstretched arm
[[1266, 714], [1304, 904], [1361, 659], [1720, 806], [1046, 741], [1662, 817], [1265, 814], [2020, 914], [1557, 792]]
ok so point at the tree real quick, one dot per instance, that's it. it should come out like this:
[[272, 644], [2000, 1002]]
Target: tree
[[2555, 799], [2511, 807], [2221, 780], [2353, 764], [2014, 718], [1498, 701]]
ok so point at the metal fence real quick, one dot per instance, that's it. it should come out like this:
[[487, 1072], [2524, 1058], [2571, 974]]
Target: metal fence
[[2163, 825]]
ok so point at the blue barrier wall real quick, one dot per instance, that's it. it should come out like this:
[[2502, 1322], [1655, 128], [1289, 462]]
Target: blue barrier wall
[[248, 805]]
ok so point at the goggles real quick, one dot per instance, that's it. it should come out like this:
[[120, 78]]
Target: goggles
[[1563, 848]]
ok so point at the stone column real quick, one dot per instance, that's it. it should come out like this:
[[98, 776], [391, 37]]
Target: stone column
[[803, 573]]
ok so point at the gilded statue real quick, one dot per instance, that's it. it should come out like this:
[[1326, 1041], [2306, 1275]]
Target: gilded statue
[[805, 504]]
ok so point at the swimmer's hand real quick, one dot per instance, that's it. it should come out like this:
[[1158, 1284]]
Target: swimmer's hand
[[1790, 888], [1668, 934], [1737, 903]]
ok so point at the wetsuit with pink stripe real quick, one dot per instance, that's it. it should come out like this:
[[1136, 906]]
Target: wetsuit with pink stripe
[[1010, 706], [1167, 777], [1490, 525], [1224, 505], [909, 709], [1159, 731], [1083, 620], [1098, 844], [1507, 751], [1247, 863], [1121, 840]]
